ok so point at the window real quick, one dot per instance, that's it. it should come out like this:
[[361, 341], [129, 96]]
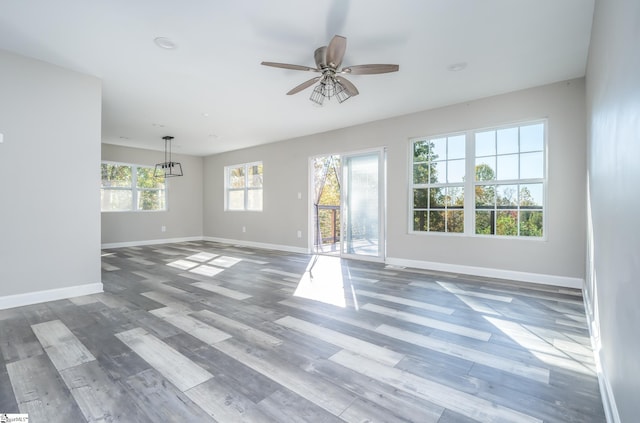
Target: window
[[131, 188], [438, 184], [243, 187], [505, 196], [509, 181]]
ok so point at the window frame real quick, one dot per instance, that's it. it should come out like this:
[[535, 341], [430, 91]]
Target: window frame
[[437, 185], [470, 184], [134, 189], [516, 181], [245, 189]]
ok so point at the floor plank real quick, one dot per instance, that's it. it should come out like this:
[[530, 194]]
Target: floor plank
[[178, 369], [61, 345], [355, 345]]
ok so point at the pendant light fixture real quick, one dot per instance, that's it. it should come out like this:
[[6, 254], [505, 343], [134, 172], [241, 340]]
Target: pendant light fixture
[[167, 168]]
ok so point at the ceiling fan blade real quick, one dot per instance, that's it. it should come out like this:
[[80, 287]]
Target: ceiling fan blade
[[304, 85], [335, 51], [320, 55], [348, 86], [289, 66], [369, 69]]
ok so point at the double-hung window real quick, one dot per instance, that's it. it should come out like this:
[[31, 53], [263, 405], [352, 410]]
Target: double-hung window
[[504, 194], [243, 186], [438, 184], [509, 180], [127, 187]]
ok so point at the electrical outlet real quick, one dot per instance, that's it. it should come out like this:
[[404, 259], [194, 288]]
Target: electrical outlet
[[244, 229], [299, 234], [163, 228]]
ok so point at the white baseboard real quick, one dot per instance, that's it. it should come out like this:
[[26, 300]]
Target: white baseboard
[[265, 246], [606, 392], [150, 242], [29, 298], [562, 281]]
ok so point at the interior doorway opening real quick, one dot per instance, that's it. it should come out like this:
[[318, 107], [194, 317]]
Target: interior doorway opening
[[326, 204]]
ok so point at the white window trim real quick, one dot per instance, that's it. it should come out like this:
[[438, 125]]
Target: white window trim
[[134, 189], [246, 187], [470, 183], [412, 186]]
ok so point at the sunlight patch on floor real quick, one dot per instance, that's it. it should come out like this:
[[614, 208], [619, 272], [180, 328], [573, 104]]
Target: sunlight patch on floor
[[322, 281], [194, 263], [202, 257], [550, 352], [471, 302], [183, 264]]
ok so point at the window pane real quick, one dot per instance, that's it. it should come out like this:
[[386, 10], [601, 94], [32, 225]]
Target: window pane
[[420, 198], [456, 147], [484, 222], [151, 199], [455, 221], [421, 150], [531, 223], [531, 165], [438, 172], [532, 137], [236, 177], [507, 196], [507, 222], [116, 199], [236, 200], [486, 169], [255, 176], [439, 149], [437, 198], [507, 141], [115, 175], [485, 196], [420, 221], [485, 143], [531, 196], [421, 173], [146, 180], [436, 221], [455, 197], [455, 171], [254, 198], [507, 167]]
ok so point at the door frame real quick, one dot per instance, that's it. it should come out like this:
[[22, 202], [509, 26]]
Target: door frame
[[382, 203]]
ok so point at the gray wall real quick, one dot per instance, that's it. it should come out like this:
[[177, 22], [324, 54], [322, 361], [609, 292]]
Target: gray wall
[[50, 208], [562, 254], [613, 284], [183, 219]]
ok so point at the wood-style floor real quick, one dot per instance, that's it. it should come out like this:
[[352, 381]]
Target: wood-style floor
[[202, 331]]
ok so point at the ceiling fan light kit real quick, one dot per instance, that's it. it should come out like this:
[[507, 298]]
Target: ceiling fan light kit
[[327, 88], [168, 168], [328, 60]]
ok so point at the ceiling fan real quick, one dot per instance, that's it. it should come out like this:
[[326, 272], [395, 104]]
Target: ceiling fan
[[332, 83]]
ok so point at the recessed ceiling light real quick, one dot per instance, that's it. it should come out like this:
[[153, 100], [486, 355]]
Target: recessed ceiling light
[[165, 43], [205, 114], [124, 138], [214, 136], [457, 67], [157, 125]]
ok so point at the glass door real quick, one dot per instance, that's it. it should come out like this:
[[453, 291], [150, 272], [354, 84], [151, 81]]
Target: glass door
[[362, 206]]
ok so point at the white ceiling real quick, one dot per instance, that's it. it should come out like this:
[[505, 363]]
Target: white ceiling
[[212, 94]]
